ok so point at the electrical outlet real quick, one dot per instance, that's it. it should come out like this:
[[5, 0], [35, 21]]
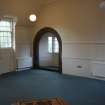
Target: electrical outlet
[[79, 66]]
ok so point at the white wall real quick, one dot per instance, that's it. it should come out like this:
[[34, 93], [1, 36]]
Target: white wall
[[7, 60], [24, 46], [81, 25]]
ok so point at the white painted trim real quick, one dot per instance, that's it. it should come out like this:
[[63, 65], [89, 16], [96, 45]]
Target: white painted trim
[[78, 58], [83, 42]]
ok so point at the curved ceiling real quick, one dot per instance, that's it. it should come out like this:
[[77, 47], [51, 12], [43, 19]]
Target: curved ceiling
[[21, 9]]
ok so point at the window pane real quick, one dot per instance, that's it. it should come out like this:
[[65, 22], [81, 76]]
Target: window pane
[[5, 26], [50, 44], [5, 39], [7, 29], [5, 23], [56, 45]]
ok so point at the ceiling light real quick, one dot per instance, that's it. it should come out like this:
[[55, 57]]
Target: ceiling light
[[32, 17]]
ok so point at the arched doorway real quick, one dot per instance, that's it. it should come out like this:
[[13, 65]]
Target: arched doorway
[[36, 49]]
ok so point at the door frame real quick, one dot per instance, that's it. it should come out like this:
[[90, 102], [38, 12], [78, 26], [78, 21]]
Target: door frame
[[36, 41]]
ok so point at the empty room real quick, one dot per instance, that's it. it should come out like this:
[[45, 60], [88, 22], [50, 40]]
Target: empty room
[[52, 52]]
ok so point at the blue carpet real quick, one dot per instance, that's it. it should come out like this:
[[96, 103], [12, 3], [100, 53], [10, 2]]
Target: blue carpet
[[38, 84]]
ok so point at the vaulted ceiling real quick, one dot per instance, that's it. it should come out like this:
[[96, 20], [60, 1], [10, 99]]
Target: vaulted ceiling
[[21, 9]]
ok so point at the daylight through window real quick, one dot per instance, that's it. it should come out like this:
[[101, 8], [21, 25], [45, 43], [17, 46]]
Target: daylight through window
[[53, 45], [7, 33]]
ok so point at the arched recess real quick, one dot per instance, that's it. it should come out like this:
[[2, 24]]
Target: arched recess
[[36, 41]]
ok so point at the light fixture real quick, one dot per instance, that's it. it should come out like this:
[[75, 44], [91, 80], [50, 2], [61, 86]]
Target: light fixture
[[102, 5], [32, 17]]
